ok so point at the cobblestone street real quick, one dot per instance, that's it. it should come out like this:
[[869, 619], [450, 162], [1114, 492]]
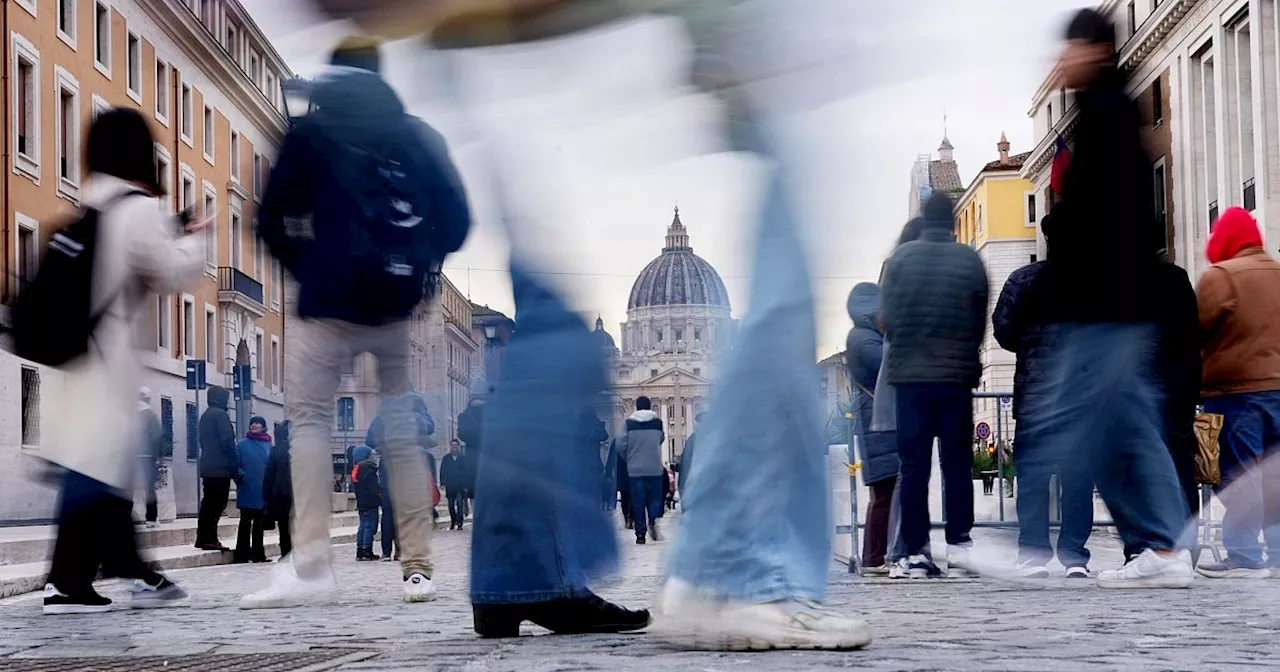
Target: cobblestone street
[[937, 625]]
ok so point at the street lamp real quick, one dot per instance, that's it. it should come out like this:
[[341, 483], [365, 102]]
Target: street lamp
[[491, 331], [296, 92]]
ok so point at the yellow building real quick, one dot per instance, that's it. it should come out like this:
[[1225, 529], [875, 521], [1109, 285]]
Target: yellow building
[[997, 217]]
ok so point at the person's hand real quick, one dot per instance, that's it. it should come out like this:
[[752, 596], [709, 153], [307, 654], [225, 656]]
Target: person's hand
[[198, 225]]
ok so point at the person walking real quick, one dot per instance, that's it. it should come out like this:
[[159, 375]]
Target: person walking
[[609, 475], [376, 439], [137, 246], [622, 484], [878, 451], [218, 467], [384, 207], [1239, 300], [149, 457], [254, 450], [368, 492], [935, 313], [1103, 402], [453, 476], [641, 444], [1031, 342], [277, 488], [471, 425]]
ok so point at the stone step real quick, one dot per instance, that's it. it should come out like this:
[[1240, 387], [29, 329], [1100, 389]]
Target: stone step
[[34, 543]]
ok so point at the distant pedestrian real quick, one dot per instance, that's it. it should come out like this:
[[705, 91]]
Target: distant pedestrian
[[622, 484], [609, 474], [641, 443], [471, 426], [685, 465], [376, 439], [935, 306], [453, 476], [277, 488], [364, 481], [1239, 298], [878, 451], [254, 451], [218, 467], [152, 452]]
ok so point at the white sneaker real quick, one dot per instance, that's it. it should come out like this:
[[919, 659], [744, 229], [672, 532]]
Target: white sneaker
[[1150, 570], [151, 525], [1078, 572], [287, 589], [419, 588], [960, 562], [900, 569], [688, 619], [1032, 569]]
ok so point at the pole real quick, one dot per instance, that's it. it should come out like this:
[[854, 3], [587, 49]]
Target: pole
[[1000, 457], [199, 490], [854, 551]]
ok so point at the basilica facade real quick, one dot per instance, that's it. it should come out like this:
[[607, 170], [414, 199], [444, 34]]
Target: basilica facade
[[678, 325]]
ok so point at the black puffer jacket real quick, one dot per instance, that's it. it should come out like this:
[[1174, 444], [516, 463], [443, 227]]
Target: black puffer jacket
[[935, 309], [863, 351], [218, 458], [1018, 330]]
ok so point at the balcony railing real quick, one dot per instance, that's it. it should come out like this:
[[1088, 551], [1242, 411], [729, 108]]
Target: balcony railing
[[235, 280]]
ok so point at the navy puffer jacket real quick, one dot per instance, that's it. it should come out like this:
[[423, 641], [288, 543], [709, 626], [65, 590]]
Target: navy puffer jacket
[[864, 349], [1018, 330]]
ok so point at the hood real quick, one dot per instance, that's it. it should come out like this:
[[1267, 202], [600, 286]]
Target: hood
[[938, 213], [864, 304], [358, 106], [643, 416], [219, 396], [361, 453], [1234, 232], [282, 434]]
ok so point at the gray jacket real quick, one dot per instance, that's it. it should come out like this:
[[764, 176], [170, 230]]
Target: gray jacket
[[641, 444], [935, 311]]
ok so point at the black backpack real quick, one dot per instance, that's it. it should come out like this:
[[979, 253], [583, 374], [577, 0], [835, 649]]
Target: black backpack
[[53, 319]]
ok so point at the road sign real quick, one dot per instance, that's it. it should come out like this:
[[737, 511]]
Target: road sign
[[1006, 403], [242, 381], [195, 374], [346, 414], [983, 430]]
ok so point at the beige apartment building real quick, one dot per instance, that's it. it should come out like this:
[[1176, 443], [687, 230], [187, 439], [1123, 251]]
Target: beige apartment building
[[209, 81]]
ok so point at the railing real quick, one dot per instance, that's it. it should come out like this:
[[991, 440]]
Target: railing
[[235, 280]]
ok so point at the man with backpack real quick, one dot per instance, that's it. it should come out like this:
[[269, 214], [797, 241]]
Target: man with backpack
[[362, 208]]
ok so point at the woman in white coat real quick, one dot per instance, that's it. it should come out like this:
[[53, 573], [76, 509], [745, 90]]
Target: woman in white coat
[[140, 249]]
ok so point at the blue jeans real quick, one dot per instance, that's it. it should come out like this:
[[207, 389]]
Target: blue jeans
[[1102, 406], [368, 528], [539, 533], [1076, 505], [646, 501], [388, 524], [925, 412], [1250, 441]]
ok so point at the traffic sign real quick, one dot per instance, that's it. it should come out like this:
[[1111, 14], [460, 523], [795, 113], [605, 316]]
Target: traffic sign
[[196, 374], [1006, 403], [983, 431], [242, 381]]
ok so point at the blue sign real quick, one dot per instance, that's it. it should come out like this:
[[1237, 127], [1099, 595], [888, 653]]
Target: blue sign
[[195, 374], [983, 431], [346, 414]]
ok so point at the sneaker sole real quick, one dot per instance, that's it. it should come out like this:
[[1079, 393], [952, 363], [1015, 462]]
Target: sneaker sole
[[1238, 573], [248, 603], [702, 635], [68, 609], [416, 598]]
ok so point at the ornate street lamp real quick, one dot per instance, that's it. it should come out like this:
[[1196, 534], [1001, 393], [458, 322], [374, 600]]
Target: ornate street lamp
[[296, 92], [491, 331]]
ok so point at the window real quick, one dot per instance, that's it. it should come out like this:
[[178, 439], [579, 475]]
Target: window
[[277, 364], [187, 195], [232, 42], [28, 249], [259, 354], [1133, 19], [1157, 102], [272, 89], [29, 5], [261, 173], [980, 218], [188, 326], [133, 67], [208, 133], [659, 336], [68, 133], [697, 371], [1033, 258], [26, 79], [697, 333], [235, 157], [166, 420], [1031, 209], [211, 337], [207, 16], [259, 256], [102, 38], [99, 106], [30, 407], [255, 68], [277, 279], [67, 21], [235, 240], [1250, 200], [163, 174], [193, 432], [653, 373], [1160, 195], [679, 335], [164, 321], [187, 112], [211, 231], [162, 92]]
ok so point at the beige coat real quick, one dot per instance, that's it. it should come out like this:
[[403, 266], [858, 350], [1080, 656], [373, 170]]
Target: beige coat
[[95, 430]]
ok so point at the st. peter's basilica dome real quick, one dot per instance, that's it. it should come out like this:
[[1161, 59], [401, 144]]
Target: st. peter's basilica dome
[[678, 276]]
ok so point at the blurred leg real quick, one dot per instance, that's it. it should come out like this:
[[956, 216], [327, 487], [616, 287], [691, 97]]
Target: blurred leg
[[1241, 490], [1077, 513]]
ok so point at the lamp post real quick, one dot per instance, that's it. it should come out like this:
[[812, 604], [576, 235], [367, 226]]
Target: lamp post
[[296, 92]]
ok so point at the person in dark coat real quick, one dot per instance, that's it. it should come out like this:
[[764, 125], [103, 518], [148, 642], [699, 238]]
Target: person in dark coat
[[623, 486], [878, 451], [364, 483], [934, 303], [219, 465], [277, 488], [254, 451], [1033, 342], [471, 426], [453, 477]]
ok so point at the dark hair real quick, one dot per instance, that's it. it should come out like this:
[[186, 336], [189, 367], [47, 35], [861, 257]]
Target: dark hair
[[643, 404], [911, 231], [938, 212], [358, 52], [1092, 27], [455, 441], [121, 145]]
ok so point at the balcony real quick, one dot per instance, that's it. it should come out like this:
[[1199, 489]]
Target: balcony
[[237, 288]]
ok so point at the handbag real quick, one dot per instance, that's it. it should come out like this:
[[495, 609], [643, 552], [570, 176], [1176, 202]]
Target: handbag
[[1208, 428]]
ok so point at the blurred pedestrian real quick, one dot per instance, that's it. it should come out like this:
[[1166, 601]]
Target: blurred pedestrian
[[685, 465], [935, 307], [383, 206], [277, 488], [1239, 299], [1101, 395], [364, 482], [149, 457], [609, 474], [376, 438], [1032, 341], [218, 467], [622, 486], [453, 476], [878, 451], [641, 442], [135, 245], [471, 426], [253, 452]]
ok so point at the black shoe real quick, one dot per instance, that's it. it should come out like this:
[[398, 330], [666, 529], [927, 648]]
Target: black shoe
[[361, 555], [629, 524], [640, 539], [653, 532], [215, 546], [563, 617], [57, 602]]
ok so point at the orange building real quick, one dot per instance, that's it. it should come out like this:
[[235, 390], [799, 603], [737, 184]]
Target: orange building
[[205, 76]]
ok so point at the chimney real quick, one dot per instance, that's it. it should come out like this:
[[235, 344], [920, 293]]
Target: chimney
[[946, 151], [1003, 146]]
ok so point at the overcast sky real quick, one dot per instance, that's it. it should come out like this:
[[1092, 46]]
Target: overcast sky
[[597, 139]]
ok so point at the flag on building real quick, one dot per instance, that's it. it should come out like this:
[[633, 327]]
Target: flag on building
[[1061, 162]]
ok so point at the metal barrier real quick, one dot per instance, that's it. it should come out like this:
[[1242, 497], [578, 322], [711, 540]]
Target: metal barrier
[[1004, 423]]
